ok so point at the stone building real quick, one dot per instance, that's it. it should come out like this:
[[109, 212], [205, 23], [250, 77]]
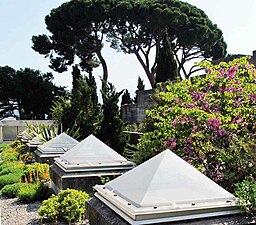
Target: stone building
[[136, 112]]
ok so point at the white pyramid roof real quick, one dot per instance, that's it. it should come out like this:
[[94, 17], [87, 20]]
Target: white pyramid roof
[[91, 152], [35, 141], [164, 182], [60, 143]]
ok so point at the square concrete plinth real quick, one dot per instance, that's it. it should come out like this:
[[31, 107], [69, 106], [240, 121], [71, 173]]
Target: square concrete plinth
[[100, 214], [45, 158], [84, 181]]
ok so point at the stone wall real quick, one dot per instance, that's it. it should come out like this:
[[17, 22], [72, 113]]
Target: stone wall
[[136, 112]]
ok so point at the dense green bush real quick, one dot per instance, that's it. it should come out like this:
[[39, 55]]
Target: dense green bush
[[6, 165], [11, 190], [10, 169], [10, 156], [49, 209], [209, 122], [4, 147], [246, 192], [33, 192], [10, 178], [68, 205]]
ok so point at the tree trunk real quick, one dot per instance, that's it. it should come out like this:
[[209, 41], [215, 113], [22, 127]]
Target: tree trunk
[[105, 69], [146, 69]]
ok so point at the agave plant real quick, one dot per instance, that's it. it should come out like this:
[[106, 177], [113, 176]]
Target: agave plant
[[43, 132]]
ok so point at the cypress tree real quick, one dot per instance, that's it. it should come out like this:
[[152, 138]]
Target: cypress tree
[[166, 64], [126, 98], [140, 87], [112, 126]]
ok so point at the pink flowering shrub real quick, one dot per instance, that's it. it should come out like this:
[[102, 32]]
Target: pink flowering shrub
[[210, 122]]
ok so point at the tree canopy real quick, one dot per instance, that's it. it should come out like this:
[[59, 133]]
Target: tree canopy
[[28, 92], [135, 27], [77, 29], [139, 27]]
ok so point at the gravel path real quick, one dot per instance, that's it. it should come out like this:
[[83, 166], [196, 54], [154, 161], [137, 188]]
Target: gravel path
[[14, 212]]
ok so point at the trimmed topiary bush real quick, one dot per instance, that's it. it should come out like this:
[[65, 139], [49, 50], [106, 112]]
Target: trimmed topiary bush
[[68, 206], [11, 190]]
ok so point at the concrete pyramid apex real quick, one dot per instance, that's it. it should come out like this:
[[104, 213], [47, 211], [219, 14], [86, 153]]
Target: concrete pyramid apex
[[164, 183], [91, 152], [62, 143]]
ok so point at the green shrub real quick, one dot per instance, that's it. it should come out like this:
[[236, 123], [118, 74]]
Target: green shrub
[[72, 204], [69, 205], [246, 192], [10, 178], [4, 147], [15, 164], [49, 209], [11, 169], [33, 192], [27, 158], [10, 156], [11, 190]]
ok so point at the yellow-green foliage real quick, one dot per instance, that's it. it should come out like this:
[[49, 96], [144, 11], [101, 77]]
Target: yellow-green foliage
[[10, 178], [68, 205], [246, 192], [11, 190], [32, 192], [4, 147]]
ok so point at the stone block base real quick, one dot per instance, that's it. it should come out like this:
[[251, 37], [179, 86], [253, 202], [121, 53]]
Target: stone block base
[[84, 181], [99, 214], [45, 158]]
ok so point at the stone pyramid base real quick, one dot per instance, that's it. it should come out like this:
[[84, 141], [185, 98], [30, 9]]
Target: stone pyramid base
[[99, 214]]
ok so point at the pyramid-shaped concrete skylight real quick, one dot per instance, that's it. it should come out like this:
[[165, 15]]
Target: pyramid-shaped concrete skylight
[[165, 188], [92, 154], [60, 144]]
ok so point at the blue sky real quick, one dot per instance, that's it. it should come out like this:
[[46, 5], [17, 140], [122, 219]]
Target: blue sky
[[20, 20]]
